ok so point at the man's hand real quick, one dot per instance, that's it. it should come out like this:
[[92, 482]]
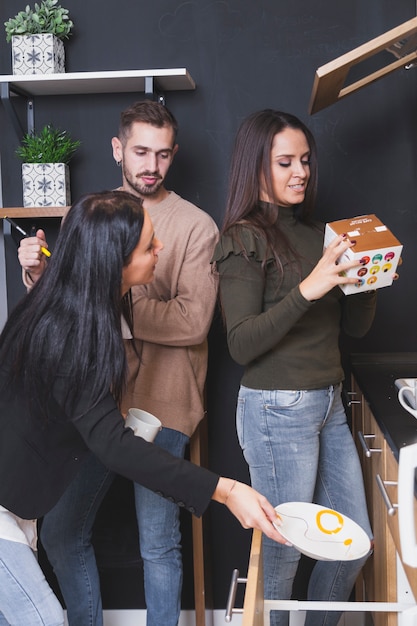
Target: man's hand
[[31, 257]]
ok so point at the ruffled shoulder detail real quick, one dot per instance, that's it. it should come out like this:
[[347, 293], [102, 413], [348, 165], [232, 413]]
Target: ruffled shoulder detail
[[241, 240]]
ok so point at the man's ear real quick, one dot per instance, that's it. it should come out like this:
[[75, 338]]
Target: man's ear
[[175, 150], [117, 149]]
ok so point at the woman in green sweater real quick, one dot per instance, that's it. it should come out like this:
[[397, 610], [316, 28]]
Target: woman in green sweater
[[284, 312]]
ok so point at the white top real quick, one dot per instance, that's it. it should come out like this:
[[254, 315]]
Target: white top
[[14, 528]]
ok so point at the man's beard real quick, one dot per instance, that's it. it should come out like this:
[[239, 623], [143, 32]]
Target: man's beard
[[143, 190]]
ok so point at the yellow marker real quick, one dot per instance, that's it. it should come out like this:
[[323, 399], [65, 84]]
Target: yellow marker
[[44, 250]]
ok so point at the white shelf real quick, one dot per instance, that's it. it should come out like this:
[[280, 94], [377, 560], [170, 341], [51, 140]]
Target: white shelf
[[123, 81]]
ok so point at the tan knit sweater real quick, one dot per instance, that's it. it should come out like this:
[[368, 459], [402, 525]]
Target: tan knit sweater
[[172, 317]]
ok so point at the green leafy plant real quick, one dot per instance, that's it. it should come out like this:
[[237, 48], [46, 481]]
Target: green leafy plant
[[46, 17], [50, 145]]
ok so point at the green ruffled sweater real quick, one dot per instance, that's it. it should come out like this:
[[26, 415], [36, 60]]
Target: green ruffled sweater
[[284, 341]]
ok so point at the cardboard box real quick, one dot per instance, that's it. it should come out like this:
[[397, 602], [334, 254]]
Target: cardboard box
[[376, 249]]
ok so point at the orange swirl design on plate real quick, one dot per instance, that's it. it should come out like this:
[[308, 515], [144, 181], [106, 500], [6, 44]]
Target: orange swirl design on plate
[[328, 531]]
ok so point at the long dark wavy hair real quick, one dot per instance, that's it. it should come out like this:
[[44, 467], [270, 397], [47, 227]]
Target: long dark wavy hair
[[71, 317], [251, 166]]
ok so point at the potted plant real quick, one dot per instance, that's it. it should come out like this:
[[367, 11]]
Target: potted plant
[[36, 35], [45, 170]]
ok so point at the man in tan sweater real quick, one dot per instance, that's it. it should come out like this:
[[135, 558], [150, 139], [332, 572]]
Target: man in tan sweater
[[167, 371]]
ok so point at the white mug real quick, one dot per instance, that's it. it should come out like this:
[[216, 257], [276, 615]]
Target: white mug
[[143, 424], [407, 397]]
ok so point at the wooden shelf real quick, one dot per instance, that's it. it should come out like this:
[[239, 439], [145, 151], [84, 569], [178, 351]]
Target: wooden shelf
[[37, 211], [331, 81], [123, 81]]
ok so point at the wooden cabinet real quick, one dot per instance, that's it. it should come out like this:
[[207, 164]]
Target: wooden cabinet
[[378, 581]]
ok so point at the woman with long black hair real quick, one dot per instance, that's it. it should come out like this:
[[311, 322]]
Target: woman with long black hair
[[62, 371]]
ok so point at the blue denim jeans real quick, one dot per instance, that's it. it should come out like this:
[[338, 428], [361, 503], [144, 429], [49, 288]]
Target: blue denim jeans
[[299, 447], [160, 543], [66, 536], [25, 596]]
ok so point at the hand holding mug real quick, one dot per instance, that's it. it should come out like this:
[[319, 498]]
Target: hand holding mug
[[143, 424]]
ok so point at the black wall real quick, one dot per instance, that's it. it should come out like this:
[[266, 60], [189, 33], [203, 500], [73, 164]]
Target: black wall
[[244, 55]]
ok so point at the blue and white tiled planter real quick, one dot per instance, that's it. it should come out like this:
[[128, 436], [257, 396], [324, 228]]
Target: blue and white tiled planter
[[38, 54], [46, 184]]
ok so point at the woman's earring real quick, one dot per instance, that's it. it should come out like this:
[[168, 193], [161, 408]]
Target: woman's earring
[[118, 163]]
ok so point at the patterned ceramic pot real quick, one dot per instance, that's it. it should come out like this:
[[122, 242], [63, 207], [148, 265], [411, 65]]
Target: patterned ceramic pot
[[38, 54], [45, 184]]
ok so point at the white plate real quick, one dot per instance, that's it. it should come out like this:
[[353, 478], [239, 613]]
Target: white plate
[[320, 533]]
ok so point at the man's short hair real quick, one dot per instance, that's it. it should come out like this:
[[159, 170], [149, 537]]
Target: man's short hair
[[148, 112]]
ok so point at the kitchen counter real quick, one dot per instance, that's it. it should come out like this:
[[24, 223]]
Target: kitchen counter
[[376, 374]]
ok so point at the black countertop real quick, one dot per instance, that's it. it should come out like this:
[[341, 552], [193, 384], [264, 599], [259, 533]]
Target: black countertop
[[376, 374]]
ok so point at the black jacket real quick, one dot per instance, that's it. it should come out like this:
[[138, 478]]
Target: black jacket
[[38, 460]]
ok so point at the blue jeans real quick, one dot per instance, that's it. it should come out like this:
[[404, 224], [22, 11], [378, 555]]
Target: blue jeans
[[299, 447], [160, 543], [25, 596], [66, 536]]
